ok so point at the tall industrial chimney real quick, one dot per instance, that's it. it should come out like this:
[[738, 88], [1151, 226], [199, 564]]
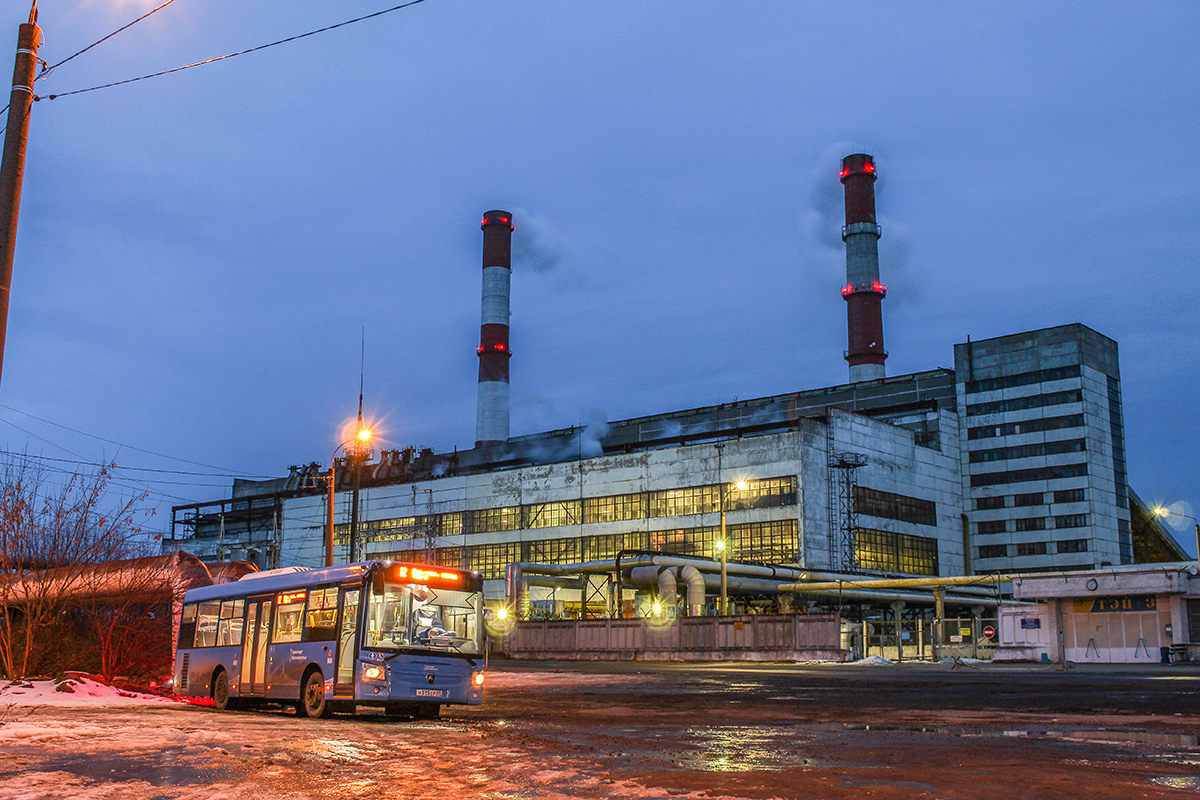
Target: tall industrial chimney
[[491, 420], [863, 292]]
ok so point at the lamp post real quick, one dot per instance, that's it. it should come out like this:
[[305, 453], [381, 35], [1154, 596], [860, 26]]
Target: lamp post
[[1163, 512], [722, 543], [363, 436]]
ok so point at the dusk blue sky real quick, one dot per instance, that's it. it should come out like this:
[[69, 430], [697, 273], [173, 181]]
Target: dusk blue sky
[[198, 253]]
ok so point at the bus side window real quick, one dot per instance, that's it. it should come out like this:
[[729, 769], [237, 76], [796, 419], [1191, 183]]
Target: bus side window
[[187, 627], [206, 624], [288, 622], [229, 631], [320, 623]]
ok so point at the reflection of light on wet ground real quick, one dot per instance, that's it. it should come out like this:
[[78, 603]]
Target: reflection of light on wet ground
[[1177, 782], [740, 750], [341, 749]]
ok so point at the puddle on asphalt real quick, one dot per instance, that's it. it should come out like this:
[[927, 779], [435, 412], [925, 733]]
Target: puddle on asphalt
[[1091, 735], [1177, 782], [157, 768], [739, 750]]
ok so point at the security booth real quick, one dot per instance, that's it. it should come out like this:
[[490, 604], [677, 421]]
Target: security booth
[[1147, 613]]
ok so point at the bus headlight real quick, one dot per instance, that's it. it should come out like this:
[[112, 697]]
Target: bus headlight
[[372, 672], [477, 679]]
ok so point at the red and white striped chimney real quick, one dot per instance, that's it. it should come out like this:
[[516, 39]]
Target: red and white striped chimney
[[491, 420], [863, 292]]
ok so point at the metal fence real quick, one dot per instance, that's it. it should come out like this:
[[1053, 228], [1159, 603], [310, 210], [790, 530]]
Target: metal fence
[[766, 637], [917, 639]]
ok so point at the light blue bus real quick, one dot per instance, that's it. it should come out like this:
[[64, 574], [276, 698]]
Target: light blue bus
[[404, 637]]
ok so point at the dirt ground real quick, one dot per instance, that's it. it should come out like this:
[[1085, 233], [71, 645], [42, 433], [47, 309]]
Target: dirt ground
[[656, 731]]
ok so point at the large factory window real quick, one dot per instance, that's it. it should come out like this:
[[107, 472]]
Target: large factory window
[[490, 520], [895, 552], [992, 526], [1071, 521], [599, 548], [1023, 379], [684, 502], [993, 551], [1026, 426], [450, 524], [615, 508], [490, 560], [551, 515], [1032, 474], [1028, 451], [763, 493], [1070, 495], [1022, 403], [672, 541], [1072, 546], [889, 505], [1031, 524], [554, 551], [772, 542], [984, 503], [1031, 548]]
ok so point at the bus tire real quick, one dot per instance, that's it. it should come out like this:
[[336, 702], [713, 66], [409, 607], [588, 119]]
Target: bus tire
[[220, 690], [312, 696]]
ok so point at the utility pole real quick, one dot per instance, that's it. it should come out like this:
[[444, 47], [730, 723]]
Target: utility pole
[[12, 163]]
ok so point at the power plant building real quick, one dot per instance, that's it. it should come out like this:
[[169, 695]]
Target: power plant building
[[1012, 461]]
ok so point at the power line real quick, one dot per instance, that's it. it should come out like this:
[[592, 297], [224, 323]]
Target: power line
[[47, 70], [234, 472], [238, 53], [114, 465]]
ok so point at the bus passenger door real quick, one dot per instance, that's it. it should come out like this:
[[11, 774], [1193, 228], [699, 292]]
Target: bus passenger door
[[254, 648], [347, 646]]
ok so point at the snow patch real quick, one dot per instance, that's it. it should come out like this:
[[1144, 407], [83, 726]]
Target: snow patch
[[71, 692]]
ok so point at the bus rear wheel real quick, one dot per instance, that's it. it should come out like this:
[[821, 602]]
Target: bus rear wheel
[[220, 691], [312, 696]]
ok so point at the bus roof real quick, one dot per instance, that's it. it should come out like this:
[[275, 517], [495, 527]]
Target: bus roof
[[260, 583]]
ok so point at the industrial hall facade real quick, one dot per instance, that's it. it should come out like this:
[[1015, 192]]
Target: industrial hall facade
[[1014, 461]]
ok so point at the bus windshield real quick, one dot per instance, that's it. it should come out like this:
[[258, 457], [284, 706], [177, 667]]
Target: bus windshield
[[415, 616]]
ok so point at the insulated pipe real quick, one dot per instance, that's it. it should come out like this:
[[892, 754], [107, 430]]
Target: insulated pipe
[[895, 583], [492, 419], [863, 292], [695, 588]]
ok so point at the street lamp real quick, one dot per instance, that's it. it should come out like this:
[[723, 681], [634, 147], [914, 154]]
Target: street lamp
[[361, 437], [723, 541], [1163, 512]]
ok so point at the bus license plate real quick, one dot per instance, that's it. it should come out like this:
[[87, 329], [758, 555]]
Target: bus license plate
[[429, 692]]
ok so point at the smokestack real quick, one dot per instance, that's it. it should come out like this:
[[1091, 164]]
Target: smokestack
[[491, 420], [863, 292]]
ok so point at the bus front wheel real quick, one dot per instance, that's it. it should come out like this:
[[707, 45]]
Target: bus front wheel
[[312, 696]]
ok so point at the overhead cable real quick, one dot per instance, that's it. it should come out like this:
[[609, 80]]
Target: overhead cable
[[47, 70], [238, 53]]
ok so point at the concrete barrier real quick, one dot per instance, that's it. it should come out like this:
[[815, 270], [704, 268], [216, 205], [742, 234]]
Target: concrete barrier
[[774, 637]]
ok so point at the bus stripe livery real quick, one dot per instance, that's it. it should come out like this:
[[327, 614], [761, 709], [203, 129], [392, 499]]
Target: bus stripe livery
[[405, 637]]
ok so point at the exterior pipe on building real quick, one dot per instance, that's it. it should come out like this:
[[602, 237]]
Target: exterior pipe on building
[[895, 583]]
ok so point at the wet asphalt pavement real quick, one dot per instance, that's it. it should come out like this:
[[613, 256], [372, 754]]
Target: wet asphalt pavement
[[641, 730]]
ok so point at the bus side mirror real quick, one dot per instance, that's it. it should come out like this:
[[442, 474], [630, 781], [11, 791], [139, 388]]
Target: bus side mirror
[[377, 582]]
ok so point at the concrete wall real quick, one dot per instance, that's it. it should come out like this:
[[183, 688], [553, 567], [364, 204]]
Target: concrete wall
[[780, 637]]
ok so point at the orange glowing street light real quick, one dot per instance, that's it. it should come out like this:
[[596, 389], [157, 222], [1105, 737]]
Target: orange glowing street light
[[361, 437]]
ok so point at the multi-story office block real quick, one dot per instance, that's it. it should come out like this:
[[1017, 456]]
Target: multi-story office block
[[1043, 452]]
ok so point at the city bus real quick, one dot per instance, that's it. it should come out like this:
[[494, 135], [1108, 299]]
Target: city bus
[[405, 637]]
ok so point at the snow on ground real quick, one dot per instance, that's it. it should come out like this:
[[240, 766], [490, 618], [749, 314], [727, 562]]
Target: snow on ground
[[77, 691]]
